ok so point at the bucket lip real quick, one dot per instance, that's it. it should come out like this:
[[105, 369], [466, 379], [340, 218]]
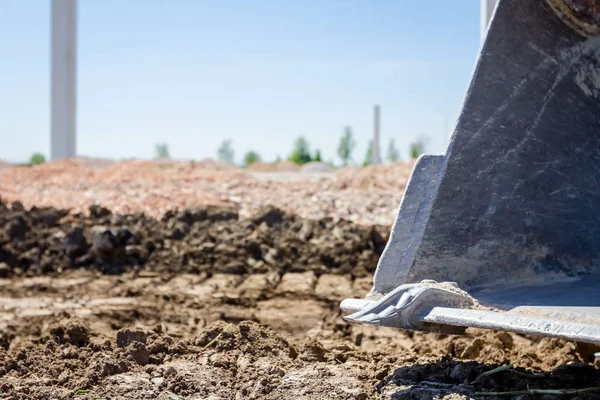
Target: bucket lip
[[562, 309], [568, 325]]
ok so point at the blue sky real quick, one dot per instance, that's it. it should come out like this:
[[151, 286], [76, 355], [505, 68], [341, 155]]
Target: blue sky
[[261, 73]]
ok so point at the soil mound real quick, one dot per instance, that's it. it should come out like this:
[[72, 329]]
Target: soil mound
[[210, 239], [375, 177]]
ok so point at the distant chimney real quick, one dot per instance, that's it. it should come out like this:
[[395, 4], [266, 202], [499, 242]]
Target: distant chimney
[[486, 9], [63, 81], [375, 158]]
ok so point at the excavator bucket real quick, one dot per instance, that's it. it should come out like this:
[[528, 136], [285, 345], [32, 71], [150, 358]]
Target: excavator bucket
[[503, 230]]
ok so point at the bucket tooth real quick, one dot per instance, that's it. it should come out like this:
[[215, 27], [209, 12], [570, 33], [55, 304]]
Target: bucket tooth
[[515, 200]]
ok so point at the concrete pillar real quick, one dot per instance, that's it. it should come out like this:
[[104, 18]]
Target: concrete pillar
[[486, 9], [63, 79], [375, 157]]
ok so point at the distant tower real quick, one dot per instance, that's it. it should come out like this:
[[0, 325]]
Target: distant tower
[[63, 88], [375, 158], [486, 8]]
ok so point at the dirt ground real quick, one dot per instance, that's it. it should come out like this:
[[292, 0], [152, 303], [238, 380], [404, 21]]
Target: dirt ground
[[205, 304]]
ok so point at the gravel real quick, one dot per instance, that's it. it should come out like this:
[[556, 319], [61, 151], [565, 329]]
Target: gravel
[[362, 195]]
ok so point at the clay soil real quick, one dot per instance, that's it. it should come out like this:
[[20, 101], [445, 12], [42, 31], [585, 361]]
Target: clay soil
[[205, 304]]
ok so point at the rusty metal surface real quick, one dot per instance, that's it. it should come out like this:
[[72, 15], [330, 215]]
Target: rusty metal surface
[[581, 15]]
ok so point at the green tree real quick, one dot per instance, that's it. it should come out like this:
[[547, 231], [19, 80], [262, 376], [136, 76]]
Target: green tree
[[418, 147], [317, 156], [251, 157], [393, 154], [225, 152], [161, 150], [346, 146], [369, 154], [37, 158], [301, 153]]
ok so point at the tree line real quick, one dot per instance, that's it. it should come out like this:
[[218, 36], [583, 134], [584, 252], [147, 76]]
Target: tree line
[[302, 154]]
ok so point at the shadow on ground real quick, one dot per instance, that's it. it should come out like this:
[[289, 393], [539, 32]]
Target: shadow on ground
[[455, 379]]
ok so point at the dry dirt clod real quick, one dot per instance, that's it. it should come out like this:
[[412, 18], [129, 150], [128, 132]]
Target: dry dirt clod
[[72, 332], [127, 336], [506, 339], [138, 352], [473, 349], [311, 350]]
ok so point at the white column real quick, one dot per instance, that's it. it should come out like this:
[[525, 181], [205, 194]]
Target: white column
[[375, 159], [63, 79], [486, 8]]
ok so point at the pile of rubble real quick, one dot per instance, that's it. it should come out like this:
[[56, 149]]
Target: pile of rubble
[[362, 195]]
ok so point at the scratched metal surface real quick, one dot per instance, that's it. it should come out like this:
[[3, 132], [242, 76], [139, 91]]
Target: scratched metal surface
[[511, 211], [516, 197], [578, 293], [568, 310], [526, 324]]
